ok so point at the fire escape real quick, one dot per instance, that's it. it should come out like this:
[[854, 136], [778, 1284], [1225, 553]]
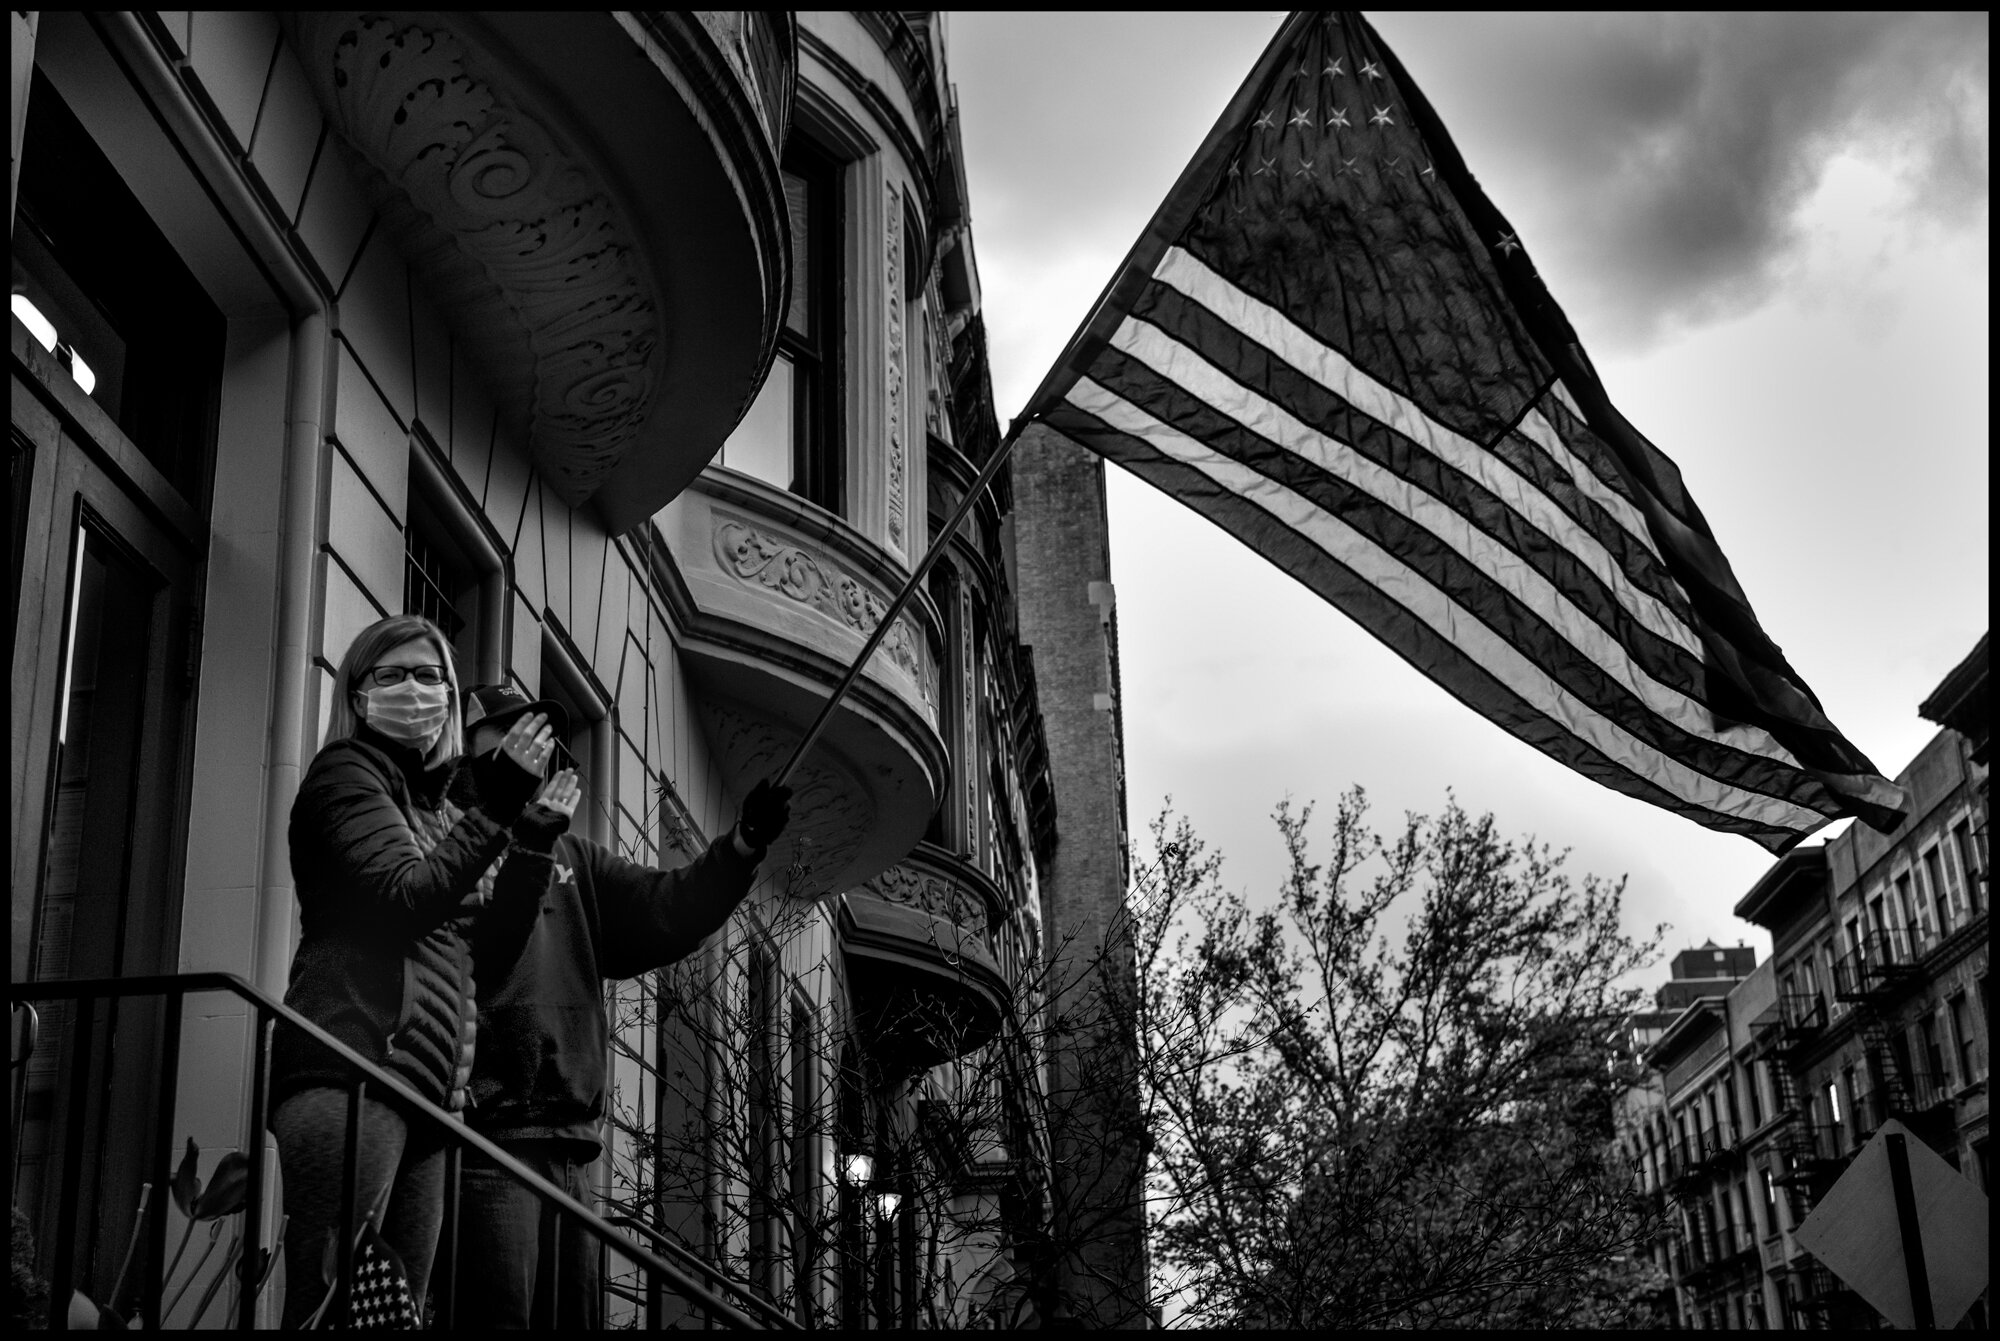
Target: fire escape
[[1808, 1153], [1878, 974]]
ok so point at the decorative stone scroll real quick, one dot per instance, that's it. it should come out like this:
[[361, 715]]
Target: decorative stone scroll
[[830, 816], [523, 244], [897, 417], [790, 570], [931, 893]]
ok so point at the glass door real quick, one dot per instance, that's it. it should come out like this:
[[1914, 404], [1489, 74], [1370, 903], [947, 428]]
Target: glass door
[[103, 645]]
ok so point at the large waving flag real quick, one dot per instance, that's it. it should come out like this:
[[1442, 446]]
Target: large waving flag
[[1332, 344]]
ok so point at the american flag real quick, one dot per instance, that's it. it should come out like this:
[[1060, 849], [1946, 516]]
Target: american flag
[[1330, 342]]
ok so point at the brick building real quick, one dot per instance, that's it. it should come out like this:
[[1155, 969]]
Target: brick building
[[1873, 1005]]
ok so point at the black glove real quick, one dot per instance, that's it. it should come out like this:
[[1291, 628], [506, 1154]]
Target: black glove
[[504, 786], [538, 827], [766, 811]]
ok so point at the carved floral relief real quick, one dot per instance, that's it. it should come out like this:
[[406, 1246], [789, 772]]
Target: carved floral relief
[[779, 565], [932, 893]]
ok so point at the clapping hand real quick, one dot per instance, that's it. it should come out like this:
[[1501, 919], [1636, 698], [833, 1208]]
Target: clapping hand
[[530, 742], [561, 793]]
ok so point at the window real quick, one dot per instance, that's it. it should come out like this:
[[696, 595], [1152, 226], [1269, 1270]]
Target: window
[[1940, 900], [588, 746], [1969, 1068], [452, 572], [1961, 846], [1770, 1200], [1932, 1052], [107, 294], [791, 435]]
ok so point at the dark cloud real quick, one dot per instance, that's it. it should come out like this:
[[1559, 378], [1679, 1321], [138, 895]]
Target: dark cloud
[[1656, 162]]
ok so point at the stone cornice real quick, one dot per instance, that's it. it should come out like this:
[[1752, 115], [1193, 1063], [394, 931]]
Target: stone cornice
[[518, 233]]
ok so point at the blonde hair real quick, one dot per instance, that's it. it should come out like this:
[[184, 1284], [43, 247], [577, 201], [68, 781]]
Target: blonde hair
[[369, 646]]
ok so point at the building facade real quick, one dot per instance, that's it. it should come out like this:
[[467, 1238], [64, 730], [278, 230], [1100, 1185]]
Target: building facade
[[643, 353], [1873, 1005]]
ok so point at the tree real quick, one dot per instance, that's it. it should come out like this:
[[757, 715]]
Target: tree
[[1387, 1100]]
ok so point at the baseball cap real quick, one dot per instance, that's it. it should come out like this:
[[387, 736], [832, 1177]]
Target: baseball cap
[[502, 704]]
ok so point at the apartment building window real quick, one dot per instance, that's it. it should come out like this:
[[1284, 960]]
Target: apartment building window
[[791, 436], [1940, 898], [1969, 1068], [1770, 1189], [1937, 1077], [1968, 867], [1853, 1108]]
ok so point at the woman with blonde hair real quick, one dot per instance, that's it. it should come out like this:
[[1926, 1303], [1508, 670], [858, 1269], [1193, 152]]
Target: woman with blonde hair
[[387, 869]]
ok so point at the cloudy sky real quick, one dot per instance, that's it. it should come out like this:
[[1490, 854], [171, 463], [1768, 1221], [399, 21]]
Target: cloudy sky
[[1771, 233]]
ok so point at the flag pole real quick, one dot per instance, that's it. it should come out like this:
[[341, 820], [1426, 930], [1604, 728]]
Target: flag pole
[[1165, 224], [888, 620]]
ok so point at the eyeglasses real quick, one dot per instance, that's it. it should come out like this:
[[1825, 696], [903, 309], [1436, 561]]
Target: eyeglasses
[[384, 676]]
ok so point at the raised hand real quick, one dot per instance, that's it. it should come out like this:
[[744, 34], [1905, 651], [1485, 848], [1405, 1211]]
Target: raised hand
[[561, 793], [530, 742], [766, 811]]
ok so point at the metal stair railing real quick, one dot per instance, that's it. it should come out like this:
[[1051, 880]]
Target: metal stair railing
[[747, 1311]]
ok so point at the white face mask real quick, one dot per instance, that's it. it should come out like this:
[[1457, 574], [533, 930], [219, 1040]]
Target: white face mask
[[410, 712]]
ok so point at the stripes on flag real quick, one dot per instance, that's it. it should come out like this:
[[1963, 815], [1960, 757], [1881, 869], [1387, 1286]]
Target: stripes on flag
[[1425, 469]]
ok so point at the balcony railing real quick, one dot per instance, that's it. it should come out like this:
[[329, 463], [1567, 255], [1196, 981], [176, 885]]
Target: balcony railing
[[710, 1293], [1884, 962]]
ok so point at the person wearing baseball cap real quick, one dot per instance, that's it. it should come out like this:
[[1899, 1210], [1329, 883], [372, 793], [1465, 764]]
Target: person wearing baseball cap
[[539, 1082]]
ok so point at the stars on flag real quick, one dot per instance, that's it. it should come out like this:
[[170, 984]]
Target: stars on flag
[[1508, 244], [1381, 118], [1301, 117], [1266, 166], [1304, 168], [1339, 118], [1265, 120], [1334, 69], [1347, 166], [1372, 70]]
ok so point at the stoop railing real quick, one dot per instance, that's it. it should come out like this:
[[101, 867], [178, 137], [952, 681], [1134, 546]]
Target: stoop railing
[[713, 1295]]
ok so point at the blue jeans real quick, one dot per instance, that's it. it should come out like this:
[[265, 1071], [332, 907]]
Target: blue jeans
[[516, 1267]]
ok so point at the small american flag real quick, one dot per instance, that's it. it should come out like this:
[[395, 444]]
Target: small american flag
[[381, 1295], [1330, 343]]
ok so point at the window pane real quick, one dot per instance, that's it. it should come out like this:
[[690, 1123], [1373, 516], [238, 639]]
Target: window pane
[[762, 443], [798, 200]]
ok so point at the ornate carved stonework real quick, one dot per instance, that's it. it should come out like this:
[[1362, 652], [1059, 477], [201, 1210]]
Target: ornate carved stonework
[[830, 815], [898, 414], [538, 264], [780, 565], [932, 893]]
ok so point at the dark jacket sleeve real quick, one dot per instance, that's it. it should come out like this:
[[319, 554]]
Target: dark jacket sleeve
[[500, 934], [649, 918], [350, 838]]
